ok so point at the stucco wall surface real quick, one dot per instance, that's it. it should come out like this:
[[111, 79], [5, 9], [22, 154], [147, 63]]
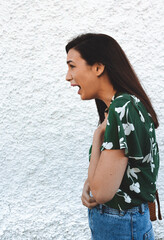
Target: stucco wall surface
[[45, 128]]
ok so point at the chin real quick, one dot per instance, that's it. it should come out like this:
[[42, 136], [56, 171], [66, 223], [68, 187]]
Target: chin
[[86, 98], [83, 98]]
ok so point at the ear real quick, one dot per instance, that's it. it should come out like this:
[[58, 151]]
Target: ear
[[99, 69]]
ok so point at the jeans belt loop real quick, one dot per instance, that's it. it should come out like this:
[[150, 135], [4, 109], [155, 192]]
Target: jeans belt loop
[[100, 206], [142, 208], [121, 213], [101, 209]]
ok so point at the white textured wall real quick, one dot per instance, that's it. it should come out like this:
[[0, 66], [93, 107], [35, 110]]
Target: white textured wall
[[45, 129]]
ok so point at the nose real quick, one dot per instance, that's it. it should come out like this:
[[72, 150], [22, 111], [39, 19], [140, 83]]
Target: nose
[[68, 76]]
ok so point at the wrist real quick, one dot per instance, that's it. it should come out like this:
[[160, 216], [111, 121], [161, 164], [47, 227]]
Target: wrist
[[99, 131], [99, 135], [86, 181]]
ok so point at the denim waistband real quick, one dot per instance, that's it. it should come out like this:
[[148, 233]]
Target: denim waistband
[[105, 209]]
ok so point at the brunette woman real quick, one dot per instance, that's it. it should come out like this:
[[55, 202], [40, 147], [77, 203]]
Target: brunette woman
[[124, 157]]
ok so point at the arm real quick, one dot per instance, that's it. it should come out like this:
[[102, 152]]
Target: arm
[[86, 199], [106, 168]]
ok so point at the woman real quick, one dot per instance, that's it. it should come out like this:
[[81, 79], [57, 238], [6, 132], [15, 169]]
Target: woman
[[124, 158]]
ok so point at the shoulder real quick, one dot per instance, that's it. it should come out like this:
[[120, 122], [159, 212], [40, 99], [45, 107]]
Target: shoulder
[[126, 104], [121, 100], [129, 106], [125, 100]]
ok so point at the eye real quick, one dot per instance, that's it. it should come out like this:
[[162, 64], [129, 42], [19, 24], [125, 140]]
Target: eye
[[71, 66]]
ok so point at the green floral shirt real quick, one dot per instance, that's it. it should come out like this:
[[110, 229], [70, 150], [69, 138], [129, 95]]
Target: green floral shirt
[[130, 127]]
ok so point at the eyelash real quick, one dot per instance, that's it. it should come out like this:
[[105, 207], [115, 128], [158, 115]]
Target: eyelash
[[71, 66]]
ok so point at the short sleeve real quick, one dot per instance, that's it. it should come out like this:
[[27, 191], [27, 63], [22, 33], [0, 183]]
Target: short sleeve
[[125, 129]]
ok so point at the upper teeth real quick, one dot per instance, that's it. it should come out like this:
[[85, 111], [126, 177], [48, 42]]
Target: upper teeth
[[76, 86]]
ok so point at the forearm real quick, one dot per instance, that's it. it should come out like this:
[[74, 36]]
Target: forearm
[[95, 156]]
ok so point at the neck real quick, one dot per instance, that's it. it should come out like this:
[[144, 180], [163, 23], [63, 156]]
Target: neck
[[106, 92]]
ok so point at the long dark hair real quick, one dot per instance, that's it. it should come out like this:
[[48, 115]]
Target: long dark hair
[[101, 48]]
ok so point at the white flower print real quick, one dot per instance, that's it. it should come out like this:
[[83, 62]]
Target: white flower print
[[131, 172], [120, 96], [148, 158], [136, 158], [119, 207], [151, 129], [121, 110], [127, 198], [135, 99], [141, 117], [107, 145], [152, 166], [118, 190], [108, 122], [128, 128], [152, 196], [122, 143], [135, 187], [153, 146]]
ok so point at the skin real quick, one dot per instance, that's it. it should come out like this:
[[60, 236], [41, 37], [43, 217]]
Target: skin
[[93, 80], [106, 168]]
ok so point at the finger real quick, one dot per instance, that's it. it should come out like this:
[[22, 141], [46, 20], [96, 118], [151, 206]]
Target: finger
[[92, 205], [106, 115], [88, 202], [106, 110], [91, 200], [89, 205], [106, 119], [88, 198]]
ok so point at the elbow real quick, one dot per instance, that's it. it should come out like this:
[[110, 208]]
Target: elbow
[[102, 197], [102, 193]]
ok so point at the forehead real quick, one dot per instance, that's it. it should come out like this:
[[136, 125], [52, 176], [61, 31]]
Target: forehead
[[74, 55]]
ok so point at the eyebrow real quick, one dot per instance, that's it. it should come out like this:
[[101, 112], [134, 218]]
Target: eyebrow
[[69, 61]]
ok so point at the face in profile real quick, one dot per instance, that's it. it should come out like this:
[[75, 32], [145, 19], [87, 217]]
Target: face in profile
[[82, 75]]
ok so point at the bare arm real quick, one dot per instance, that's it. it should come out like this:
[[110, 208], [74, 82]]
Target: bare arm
[[86, 199], [106, 168]]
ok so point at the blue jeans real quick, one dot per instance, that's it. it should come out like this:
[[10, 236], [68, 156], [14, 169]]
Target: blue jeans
[[111, 224]]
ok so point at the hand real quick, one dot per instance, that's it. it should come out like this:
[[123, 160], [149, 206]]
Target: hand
[[101, 128], [86, 199]]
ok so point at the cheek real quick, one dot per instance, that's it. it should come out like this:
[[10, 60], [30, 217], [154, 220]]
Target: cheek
[[88, 79], [90, 89], [92, 84]]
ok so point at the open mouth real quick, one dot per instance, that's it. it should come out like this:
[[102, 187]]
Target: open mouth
[[79, 89], [74, 85]]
